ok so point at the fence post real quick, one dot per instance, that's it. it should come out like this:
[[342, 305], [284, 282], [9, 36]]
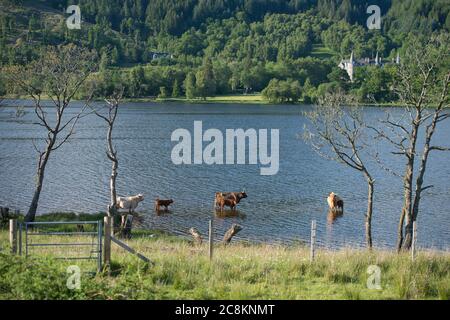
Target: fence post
[[107, 245], [13, 235], [414, 241], [100, 245], [211, 241], [313, 240], [20, 238]]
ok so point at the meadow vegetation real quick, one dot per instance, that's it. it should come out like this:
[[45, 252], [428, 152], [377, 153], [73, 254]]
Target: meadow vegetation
[[182, 270]]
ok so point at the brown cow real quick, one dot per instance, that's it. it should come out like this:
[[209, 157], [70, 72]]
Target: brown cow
[[163, 203], [222, 202], [236, 196], [335, 202]]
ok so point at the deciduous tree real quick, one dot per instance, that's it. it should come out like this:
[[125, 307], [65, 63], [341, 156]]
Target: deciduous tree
[[422, 87], [57, 74], [338, 132]]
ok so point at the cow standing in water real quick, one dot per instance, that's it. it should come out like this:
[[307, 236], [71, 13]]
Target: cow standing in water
[[235, 196], [130, 204], [335, 203], [162, 203], [222, 202]]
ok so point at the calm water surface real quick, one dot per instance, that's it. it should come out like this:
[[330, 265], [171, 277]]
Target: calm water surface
[[279, 208]]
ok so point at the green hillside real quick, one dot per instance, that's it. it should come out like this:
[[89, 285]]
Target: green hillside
[[151, 47]]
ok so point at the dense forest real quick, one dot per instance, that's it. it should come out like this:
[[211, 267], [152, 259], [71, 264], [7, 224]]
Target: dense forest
[[287, 49]]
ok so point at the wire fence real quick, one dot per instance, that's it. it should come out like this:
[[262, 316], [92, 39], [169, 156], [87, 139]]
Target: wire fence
[[87, 240]]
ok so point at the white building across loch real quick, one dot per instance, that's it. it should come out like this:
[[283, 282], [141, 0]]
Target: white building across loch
[[350, 64]]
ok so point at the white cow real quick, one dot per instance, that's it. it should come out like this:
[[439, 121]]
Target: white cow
[[129, 203]]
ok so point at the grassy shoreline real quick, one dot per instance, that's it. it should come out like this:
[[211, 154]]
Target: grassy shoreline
[[182, 270], [250, 99], [238, 99], [223, 99]]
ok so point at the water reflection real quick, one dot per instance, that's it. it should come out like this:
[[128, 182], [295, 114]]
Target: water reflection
[[333, 215], [230, 214]]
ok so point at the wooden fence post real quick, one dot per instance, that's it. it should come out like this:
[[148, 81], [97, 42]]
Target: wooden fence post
[[13, 235], [414, 241], [313, 241], [107, 245], [20, 238], [211, 240]]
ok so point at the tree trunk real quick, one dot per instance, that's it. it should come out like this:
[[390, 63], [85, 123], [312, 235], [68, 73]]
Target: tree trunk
[[400, 230], [43, 159], [406, 215], [112, 185], [31, 214], [423, 164], [419, 189], [369, 213], [235, 228], [115, 164], [419, 182], [405, 219]]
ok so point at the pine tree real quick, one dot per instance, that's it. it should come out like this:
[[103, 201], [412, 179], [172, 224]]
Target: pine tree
[[176, 89], [114, 56], [206, 82], [137, 81], [104, 61], [162, 92], [189, 84]]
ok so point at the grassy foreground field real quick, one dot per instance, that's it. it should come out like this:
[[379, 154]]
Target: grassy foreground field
[[182, 270]]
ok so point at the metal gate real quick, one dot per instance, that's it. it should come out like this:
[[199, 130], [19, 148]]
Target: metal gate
[[34, 230]]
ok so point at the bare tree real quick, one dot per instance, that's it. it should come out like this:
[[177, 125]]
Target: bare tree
[[112, 106], [57, 75], [339, 133], [422, 86]]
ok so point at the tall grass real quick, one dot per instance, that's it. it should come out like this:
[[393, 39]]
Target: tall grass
[[181, 270]]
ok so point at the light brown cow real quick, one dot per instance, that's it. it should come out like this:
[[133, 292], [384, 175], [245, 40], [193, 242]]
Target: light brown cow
[[335, 203]]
